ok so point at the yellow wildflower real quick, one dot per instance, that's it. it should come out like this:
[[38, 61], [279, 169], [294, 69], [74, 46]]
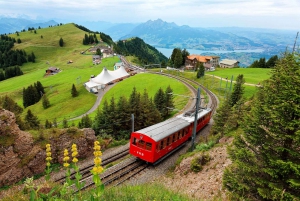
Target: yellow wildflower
[[99, 169], [48, 153], [48, 164], [74, 154], [66, 165], [75, 160], [66, 153]]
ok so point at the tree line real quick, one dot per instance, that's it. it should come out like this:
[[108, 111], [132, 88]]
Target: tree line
[[115, 117], [33, 94], [89, 39], [9, 57], [262, 63], [178, 57], [10, 72]]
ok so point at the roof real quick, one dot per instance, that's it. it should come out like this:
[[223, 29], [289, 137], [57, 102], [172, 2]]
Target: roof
[[52, 68], [96, 56], [228, 62], [163, 129], [200, 58], [107, 76]]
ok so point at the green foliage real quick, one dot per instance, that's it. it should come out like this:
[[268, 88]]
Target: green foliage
[[201, 69], [178, 59], [159, 101], [32, 94], [9, 104], [46, 102], [106, 38], [61, 42], [261, 63], [198, 162], [74, 91], [266, 154], [205, 146], [31, 120], [238, 90], [13, 71], [65, 123], [85, 122], [137, 47], [48, 124]]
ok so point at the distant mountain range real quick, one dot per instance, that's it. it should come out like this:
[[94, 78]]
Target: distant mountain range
[[11, 25], [161, 34]]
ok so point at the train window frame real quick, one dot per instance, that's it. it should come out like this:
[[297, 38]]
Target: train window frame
[[134, 141], [168, 140]]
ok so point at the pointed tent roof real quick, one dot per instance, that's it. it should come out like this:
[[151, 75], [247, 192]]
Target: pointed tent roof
[[104, 77], [120, 72]]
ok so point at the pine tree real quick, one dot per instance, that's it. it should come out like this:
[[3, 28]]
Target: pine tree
[[31, 120], [178, 60], [169, 101], [48, 124], [266, 153], [238, 90], [74, 91], [61, 42], [2, 76], [46, 102], [201, 69], [65, 123], [85, 122], [11, 105], [159, 101]]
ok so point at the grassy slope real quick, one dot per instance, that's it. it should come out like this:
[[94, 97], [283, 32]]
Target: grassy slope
[[251, 75]]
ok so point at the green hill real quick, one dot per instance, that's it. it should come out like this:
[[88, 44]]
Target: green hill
[[45, 45]]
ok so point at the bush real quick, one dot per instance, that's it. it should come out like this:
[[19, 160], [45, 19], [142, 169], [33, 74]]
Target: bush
[[198, 162]]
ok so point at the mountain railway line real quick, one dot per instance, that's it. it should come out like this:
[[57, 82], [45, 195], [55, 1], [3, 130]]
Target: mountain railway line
[[128, 168]]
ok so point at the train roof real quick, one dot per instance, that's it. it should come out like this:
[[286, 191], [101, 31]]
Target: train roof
[[163, 129], [190, 115]]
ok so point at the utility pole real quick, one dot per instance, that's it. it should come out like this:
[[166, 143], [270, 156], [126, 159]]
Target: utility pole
[[132, 122], [196, 118]]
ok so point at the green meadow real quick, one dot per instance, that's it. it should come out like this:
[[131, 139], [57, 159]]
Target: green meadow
[[251, 75]]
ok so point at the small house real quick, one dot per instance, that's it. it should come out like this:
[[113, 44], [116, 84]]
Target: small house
[[52, 70]]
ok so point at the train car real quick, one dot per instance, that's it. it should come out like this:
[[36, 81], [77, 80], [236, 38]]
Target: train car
[[154, 143]]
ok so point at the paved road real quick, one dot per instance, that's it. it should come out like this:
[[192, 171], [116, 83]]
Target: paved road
[[97, 103]]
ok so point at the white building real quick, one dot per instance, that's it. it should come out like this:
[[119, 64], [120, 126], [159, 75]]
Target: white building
[[228, 63]]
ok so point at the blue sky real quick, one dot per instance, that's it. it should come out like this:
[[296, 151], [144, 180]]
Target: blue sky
[[278, 14]]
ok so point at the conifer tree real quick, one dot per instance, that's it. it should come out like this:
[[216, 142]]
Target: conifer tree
[[85, 122], [65, 123], [238, 90], [48, 124], [31, 120], [61, 42], [159, 100], [74, 91], [201, 69], [169, 101], [265, 155], [46, 102]]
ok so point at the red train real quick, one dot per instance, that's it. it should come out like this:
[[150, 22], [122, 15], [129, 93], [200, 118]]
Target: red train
[[154, 143]]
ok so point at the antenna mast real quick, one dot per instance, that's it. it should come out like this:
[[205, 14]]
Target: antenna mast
[[295, 42]]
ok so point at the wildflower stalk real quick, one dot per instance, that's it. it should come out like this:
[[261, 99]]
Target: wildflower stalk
[[48, 164], [66, 166], [97, 170], [78, 176]]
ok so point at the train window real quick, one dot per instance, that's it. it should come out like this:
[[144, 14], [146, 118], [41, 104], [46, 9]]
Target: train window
[[141, 143], [176, 136], [161, 145], [180, 134], [148, 146], [168, 141], [165, 143], [186, 130], [134, 141]]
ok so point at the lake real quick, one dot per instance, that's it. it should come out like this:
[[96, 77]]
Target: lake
[[168, 52]]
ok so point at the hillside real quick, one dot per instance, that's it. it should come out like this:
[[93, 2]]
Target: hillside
[[137, 47]]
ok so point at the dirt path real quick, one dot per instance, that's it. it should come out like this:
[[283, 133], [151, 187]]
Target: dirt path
[[255, 85]]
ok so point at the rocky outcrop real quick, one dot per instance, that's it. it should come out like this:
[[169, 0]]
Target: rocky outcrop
[[21, 156]]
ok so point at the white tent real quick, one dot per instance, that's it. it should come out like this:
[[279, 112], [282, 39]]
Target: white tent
[[105, 77]]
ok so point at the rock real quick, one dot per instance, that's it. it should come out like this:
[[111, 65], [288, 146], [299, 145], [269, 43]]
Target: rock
[[21, 157]]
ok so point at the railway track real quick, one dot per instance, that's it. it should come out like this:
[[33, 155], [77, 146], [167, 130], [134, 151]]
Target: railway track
[[117, 174], [85, 171]]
